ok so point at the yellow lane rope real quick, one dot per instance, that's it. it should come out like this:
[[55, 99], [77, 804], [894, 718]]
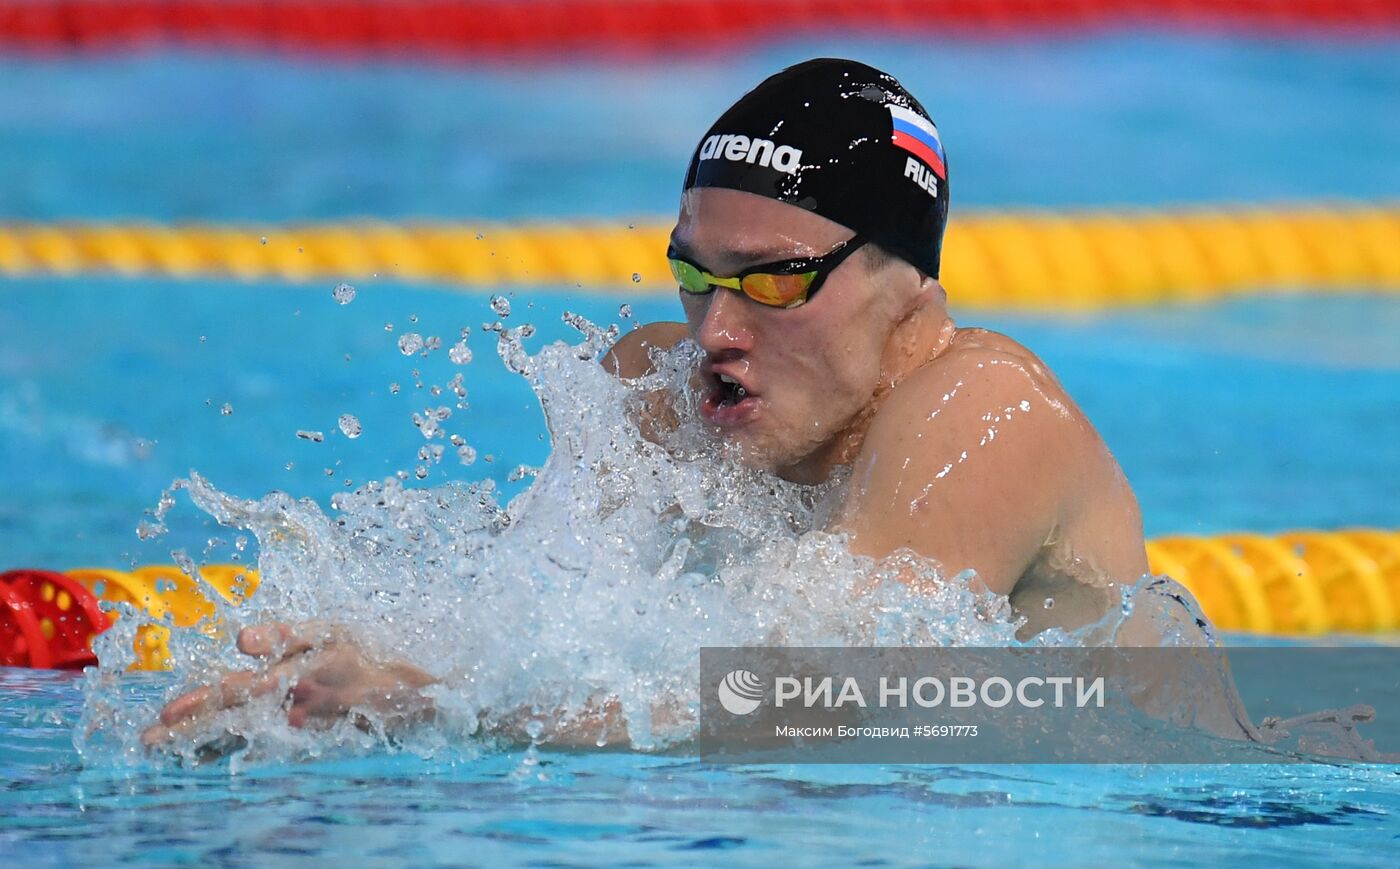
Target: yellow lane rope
[[1022, 259], [1296, 583], [1300, 582]]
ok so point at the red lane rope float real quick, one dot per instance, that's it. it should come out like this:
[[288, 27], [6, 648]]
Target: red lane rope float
[[47, 620], [470, 27]]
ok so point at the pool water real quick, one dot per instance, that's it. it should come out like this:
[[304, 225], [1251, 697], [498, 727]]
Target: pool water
[[1069, 121], [1257, 414], [597, 807]]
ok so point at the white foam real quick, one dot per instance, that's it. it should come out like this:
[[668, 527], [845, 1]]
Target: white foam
[[603, 579]]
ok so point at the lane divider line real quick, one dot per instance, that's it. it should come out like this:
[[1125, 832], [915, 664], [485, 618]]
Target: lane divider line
[[1030, 259]]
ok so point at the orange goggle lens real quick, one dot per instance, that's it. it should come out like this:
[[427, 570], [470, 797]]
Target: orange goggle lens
[[778, 290]]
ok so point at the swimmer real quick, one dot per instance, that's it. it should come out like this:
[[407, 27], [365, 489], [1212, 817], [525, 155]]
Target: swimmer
[[807, 256], [807, 253]]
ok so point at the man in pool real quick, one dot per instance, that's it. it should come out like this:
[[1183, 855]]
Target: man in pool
[[807, 256]]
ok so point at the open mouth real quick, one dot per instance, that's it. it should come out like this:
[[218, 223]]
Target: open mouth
[[729, 390], [728, 400]]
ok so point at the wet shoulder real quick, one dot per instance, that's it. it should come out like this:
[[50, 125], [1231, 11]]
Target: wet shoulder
[[994, 356], [985, 367], [631, 356]]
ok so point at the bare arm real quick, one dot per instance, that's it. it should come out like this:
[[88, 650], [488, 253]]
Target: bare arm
[[325, 675], [630, 358]]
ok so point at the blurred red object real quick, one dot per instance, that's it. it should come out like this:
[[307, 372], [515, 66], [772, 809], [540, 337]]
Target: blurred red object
[[47, 621], [468, 28]]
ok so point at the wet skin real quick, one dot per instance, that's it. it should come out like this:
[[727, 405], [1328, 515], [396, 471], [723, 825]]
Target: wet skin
[[962, 447]]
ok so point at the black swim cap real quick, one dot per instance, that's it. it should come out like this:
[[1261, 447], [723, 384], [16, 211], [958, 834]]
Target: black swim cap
[[840, 139]]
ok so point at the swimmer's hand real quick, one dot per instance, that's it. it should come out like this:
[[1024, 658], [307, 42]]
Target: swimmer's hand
[[323, 675]]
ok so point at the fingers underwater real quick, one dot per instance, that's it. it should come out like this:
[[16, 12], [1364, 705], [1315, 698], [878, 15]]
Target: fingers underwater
[[188, 712]]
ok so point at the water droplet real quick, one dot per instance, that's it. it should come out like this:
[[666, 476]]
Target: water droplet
[[410, 343], [413, 318], [203, 338], [388, 327], [420, 472], [393, 389], [240, 543], [263, 239], [227, 409], [534, 728], [625, 312], [466, 454], [330, 472], [636, 277], [313, 436], [350, 426], [1049, 603], [289, 465], [479, 236], [343, 294], [501, 305], [460, 353], [631, 226], [149, 530]]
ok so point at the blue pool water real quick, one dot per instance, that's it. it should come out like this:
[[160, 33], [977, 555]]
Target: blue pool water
[[1255, 414], [592, 808], [1120, 119]]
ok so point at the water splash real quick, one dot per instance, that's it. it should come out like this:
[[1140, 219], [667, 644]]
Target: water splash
[[600, 581], [350, 425]]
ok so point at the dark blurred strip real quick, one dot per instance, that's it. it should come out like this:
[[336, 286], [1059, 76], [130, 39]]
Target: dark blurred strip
[[472, 27]]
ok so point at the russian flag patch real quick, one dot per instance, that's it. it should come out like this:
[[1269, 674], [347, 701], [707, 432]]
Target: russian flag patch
[[917, 135]]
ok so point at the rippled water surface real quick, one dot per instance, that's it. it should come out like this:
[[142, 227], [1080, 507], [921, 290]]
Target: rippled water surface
[[600, 807]]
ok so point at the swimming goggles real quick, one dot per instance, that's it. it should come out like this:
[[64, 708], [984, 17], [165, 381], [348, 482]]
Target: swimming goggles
[[785, 284]]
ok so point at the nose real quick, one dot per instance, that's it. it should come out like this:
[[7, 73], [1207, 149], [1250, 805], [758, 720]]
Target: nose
[[725, 329]]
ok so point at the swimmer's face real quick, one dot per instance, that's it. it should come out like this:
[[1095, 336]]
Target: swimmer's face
[[807, 373]]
